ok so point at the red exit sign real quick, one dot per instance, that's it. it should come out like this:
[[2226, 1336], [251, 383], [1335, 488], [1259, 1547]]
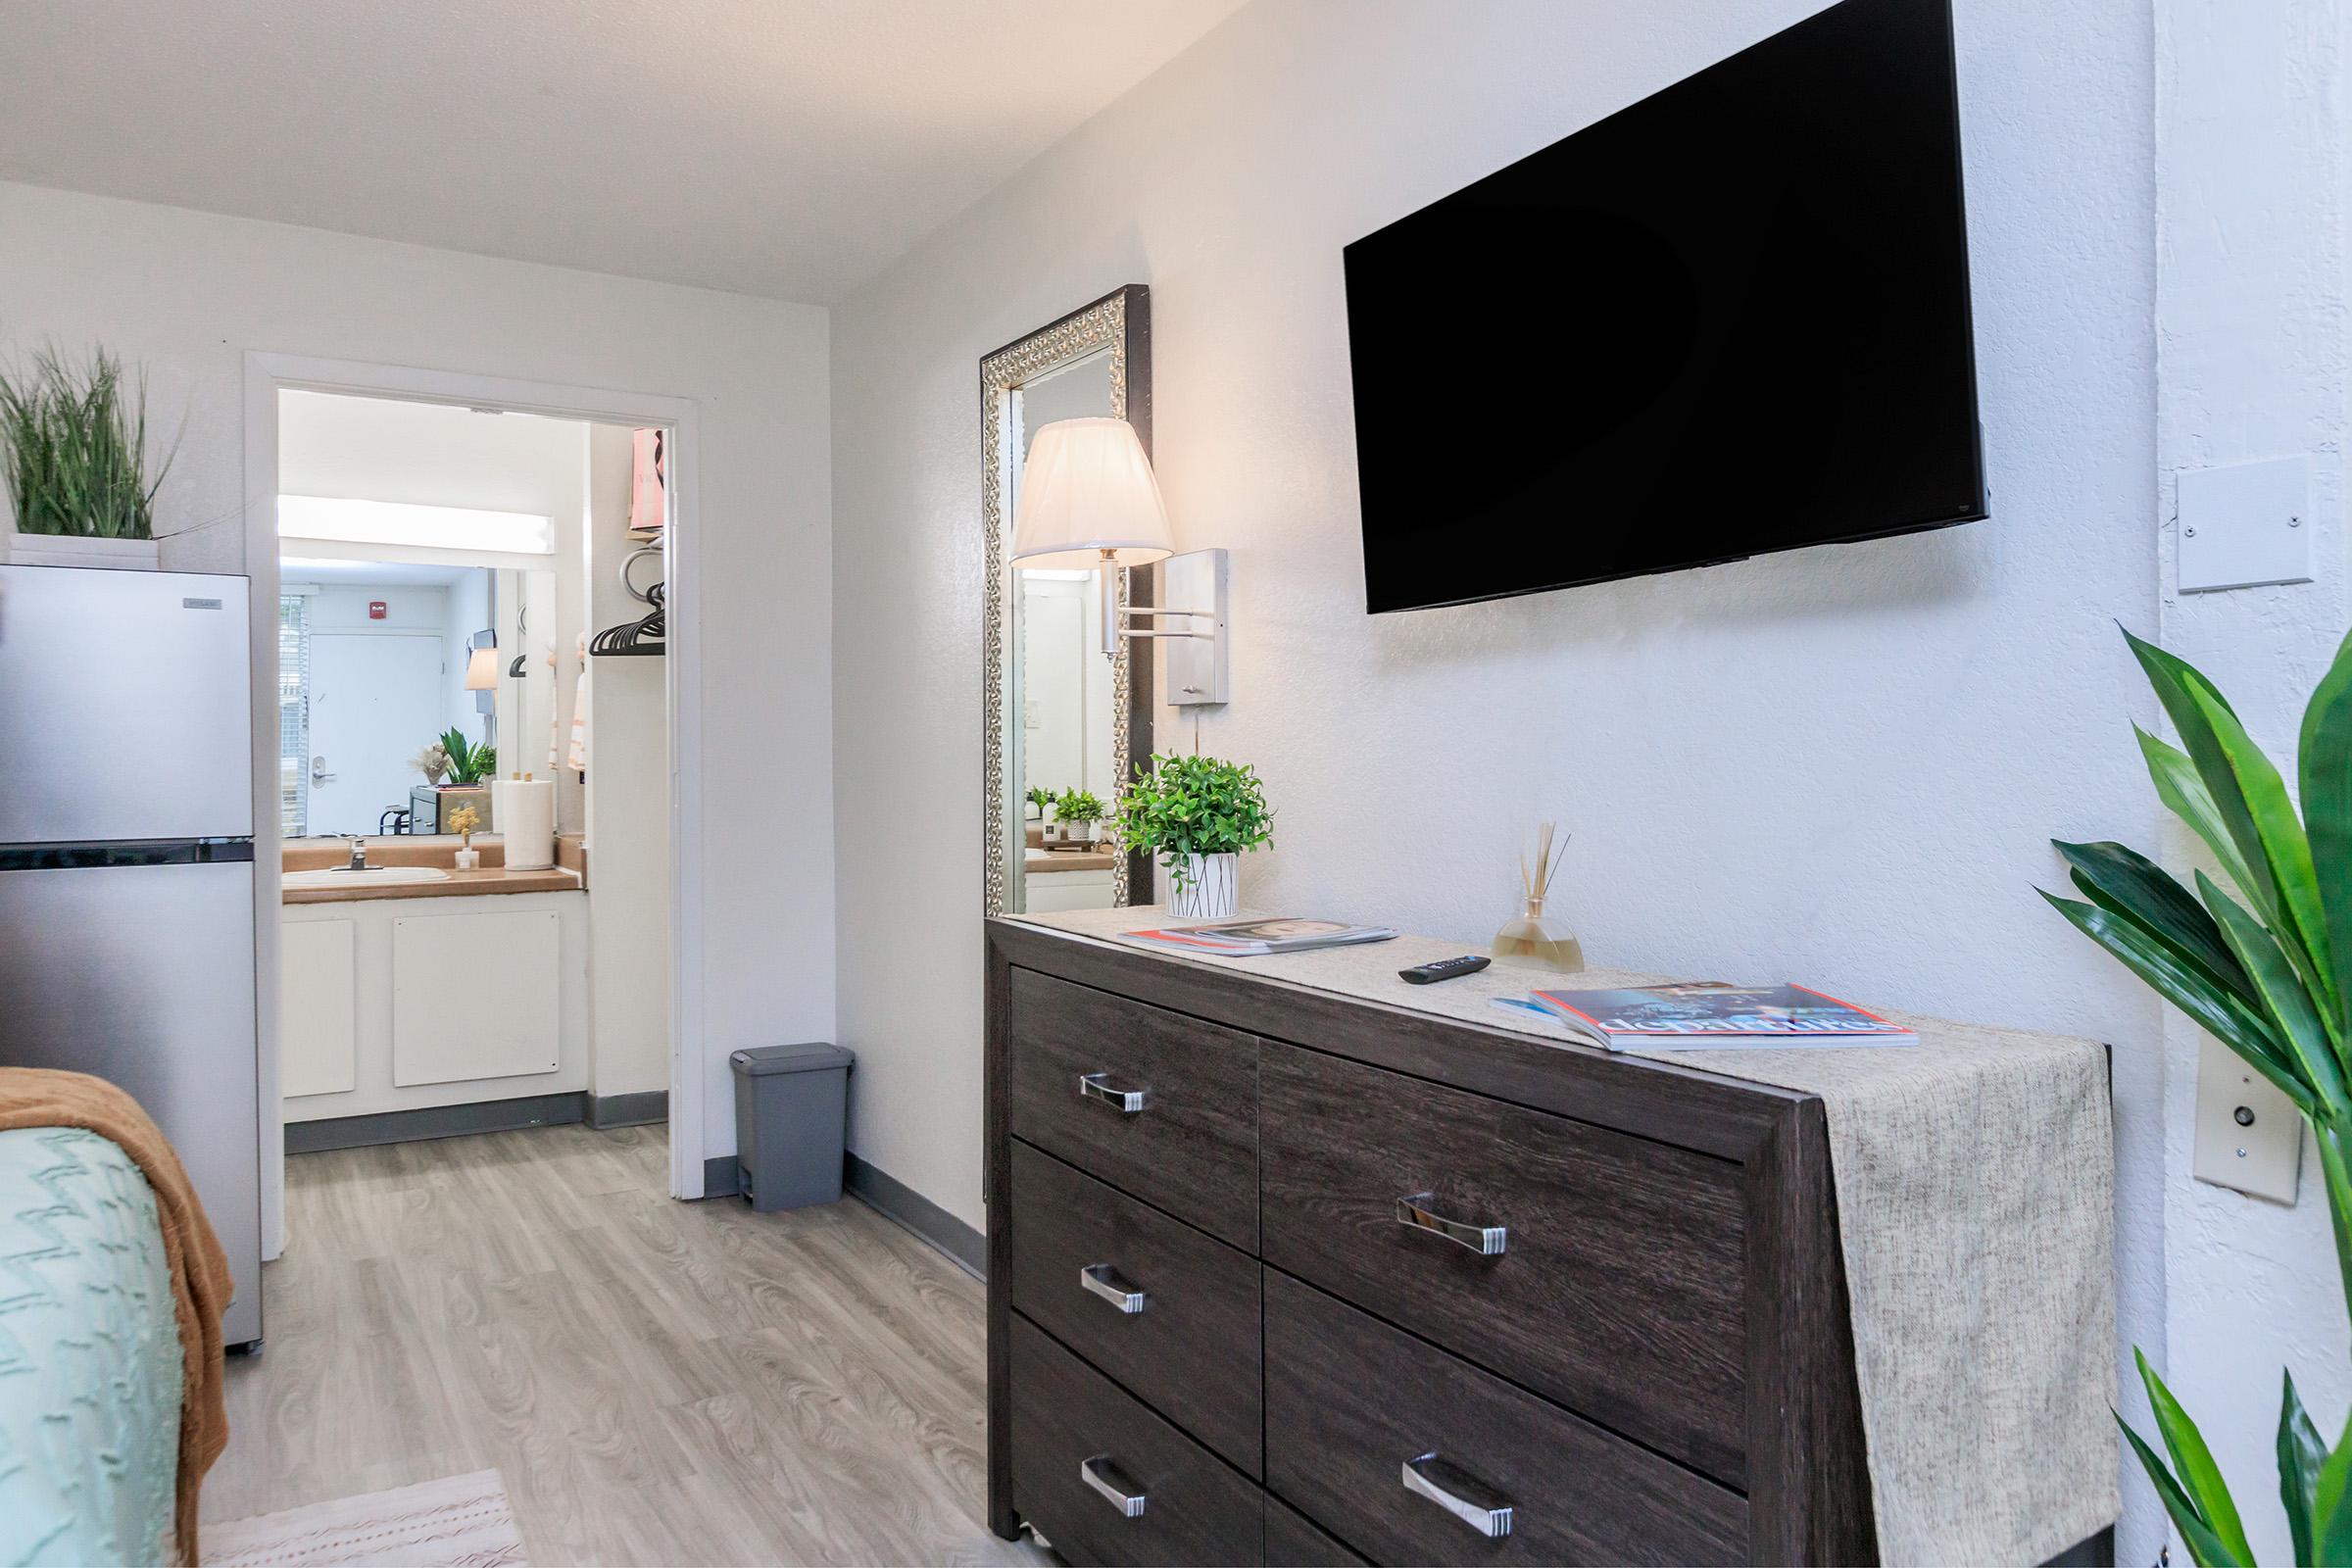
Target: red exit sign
[[377, 609]]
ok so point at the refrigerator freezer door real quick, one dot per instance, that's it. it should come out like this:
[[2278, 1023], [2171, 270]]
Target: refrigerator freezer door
[[143, 977], [125, 700]]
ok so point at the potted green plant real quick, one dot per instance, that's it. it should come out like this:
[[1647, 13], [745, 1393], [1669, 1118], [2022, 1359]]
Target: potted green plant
[[468, 767], [74, 456], [1077, 811], [1041, 799], [2268, 972], [1200, 814]]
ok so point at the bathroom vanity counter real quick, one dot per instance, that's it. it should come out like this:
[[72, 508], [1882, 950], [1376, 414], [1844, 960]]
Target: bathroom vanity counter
[[1050, 861], [569, 874]]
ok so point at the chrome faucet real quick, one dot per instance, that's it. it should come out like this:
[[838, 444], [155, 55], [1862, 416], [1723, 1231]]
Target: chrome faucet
[[358, 853]]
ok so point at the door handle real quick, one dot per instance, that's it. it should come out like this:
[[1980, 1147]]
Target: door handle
[[1103, 1280], [1460, 1494], [1126, 1102], [1414, 1213], [1109, 1481], [318, 772]]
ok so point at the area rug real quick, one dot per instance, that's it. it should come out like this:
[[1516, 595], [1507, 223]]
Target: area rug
[[455, 1522]]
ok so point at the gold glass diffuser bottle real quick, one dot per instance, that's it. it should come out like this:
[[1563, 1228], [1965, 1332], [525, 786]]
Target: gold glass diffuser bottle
[[1533, 939]]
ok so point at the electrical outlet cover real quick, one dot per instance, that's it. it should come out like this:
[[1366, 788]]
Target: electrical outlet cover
[[2245, 524], [2262, 1157]]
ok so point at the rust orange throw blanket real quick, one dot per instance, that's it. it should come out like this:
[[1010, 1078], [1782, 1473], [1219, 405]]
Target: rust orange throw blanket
[[34, 1097]]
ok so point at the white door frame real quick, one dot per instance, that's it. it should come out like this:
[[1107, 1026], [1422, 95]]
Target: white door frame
[[266, 375]]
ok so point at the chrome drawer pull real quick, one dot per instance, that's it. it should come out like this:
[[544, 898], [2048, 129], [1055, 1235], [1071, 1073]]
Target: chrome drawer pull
[[1486, 1241], [1126, 1102], [1104, 1281], [1460, 1494], [1105, 1478]]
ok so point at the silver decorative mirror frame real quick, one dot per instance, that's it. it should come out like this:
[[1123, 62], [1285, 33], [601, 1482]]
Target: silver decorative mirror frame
[[1121, 322]]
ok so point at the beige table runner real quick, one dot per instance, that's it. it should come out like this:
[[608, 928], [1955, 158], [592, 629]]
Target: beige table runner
[[1975, 1181]]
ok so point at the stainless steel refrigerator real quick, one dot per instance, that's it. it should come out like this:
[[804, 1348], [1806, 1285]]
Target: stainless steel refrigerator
[[127, 893]]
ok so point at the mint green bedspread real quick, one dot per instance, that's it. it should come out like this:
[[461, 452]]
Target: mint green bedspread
[[90, 1370]]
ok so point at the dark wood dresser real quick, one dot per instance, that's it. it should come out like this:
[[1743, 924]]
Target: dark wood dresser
[[1280, 1276]]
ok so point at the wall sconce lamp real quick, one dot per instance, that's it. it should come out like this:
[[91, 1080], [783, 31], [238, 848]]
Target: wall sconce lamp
[[1087, 500]]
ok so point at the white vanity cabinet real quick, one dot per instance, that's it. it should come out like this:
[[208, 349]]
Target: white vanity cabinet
[[393, 1004]]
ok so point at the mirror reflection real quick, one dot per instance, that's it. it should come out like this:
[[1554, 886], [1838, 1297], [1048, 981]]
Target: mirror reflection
[[1063, 776], [398, 685]]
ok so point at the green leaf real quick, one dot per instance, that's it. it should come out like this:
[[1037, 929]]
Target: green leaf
[[2218, 1012], [2184, 795], [2205, 1549], [2292, 1016], [2331, 1520], [2325, 765], [2193, 1463], [2301, 1453], [2124, 882], [2336, 1163]]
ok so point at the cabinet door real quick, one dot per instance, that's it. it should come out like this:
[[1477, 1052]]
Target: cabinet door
[[318, 1009], [474, 996]]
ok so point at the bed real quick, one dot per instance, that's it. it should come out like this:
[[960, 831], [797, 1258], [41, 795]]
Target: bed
[[92, 1365]]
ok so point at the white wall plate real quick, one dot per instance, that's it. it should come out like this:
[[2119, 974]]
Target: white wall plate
[[2245, 524]]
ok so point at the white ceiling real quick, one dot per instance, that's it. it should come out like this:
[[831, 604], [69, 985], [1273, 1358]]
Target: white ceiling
[[790, 148], [301, 569]]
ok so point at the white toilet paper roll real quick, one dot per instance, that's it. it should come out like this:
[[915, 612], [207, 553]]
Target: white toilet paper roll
[[526, 821]]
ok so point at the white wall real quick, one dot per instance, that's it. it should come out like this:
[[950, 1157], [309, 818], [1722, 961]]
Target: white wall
[[2253, 362], [628, 807], [1950, 702], [188, 294]]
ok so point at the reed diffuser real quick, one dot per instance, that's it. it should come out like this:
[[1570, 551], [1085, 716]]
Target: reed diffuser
[[1532, 939]]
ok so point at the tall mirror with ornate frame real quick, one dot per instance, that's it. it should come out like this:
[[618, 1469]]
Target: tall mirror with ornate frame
[[1066, 724]]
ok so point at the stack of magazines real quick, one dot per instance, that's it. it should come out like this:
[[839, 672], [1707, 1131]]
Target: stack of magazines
[[1711, 1017], [1258, 936]]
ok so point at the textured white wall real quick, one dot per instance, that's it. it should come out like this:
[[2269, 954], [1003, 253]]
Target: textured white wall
[[187, 294], [1842, 764], [2253, 362]]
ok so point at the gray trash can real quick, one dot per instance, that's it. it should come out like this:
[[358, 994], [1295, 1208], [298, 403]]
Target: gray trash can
[[790, 1115]]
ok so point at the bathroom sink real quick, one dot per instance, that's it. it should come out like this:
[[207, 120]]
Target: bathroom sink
[[375, 876]]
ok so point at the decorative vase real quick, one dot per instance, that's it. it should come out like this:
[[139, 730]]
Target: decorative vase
[[1210, 888], [1538, 942], [78, 550], [469, 859]]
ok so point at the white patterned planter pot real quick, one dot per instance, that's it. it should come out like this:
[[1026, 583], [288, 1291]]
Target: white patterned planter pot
[[1210, 888]]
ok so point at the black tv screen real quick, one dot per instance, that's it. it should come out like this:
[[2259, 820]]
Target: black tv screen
[[1730, 319]]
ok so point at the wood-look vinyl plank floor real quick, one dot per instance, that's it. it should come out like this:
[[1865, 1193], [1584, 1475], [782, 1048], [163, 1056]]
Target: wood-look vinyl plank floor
[[656, 1382]]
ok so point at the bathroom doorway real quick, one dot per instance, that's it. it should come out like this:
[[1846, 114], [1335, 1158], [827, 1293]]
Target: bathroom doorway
[[488, 532]]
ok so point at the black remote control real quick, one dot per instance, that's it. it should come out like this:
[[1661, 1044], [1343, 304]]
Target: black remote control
[[1421, 974]]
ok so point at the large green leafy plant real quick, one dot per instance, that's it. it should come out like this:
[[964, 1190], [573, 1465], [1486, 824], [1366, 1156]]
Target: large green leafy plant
[[2269, 973], [1189, 805], [468, 763], [73, 449]]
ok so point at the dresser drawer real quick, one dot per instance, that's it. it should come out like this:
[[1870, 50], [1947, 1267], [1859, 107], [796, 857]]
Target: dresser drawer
[[1616, 1282], [1185, 1139], [1070, 1422], [1190, 1345], [1294, 1540], [1353, 1404]]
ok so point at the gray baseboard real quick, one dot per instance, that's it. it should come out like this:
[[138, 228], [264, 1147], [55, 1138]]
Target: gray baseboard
[[629, 1110], [720, 1177], [888, 1197], [893, 1198], [435, 1121]]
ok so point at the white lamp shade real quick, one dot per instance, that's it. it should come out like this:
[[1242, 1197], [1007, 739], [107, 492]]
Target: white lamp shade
[[482, 670], [1085, 489]]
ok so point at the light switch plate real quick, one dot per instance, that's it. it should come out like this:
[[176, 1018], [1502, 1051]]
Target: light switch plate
[[2263, 1157], [2245, 524]]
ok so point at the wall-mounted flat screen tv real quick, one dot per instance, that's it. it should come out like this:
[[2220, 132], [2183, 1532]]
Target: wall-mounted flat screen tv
[[1730, 319]]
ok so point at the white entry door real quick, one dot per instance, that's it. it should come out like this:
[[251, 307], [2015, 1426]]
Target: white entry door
[[377, 701]]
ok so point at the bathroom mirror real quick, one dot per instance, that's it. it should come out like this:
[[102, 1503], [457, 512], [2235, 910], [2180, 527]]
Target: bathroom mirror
[[377, 661], [1061, 716]]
